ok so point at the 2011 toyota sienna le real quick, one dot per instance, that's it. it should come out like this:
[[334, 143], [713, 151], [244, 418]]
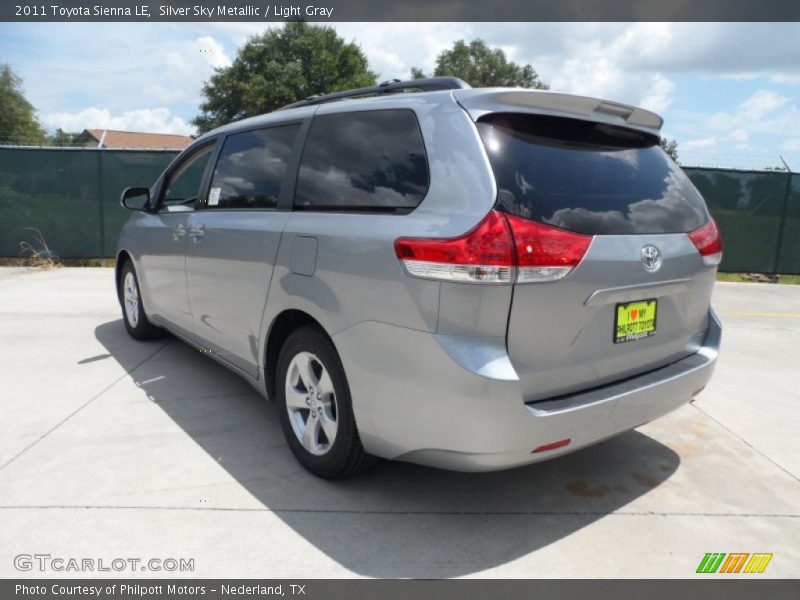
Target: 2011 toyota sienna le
[[472, 279]]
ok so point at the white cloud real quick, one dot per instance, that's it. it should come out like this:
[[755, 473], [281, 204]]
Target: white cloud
[[739, 135], [762, 103], [760, 112], [141, 64], [750, 135], [791, 79], [390, 49], [151, 120], [708, 142], [210, 52], [660, 97], [186, 68]]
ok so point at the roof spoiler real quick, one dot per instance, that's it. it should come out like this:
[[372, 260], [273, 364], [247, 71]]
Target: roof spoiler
[[394, 86], [481, 101]]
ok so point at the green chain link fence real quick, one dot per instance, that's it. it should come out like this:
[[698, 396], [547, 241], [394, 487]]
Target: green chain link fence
[[758, 213], [71, 196]]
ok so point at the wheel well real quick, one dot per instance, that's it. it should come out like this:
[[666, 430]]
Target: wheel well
[[282, 327], [122, 258]]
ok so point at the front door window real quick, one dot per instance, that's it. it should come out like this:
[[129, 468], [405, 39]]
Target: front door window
[[183, 185]]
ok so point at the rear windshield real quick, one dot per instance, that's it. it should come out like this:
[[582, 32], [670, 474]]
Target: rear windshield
[[588, 177]]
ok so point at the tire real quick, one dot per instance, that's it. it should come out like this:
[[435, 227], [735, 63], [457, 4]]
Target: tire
[[130, 296], [314, 402]]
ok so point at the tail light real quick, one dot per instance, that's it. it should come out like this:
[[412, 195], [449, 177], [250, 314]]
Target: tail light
[[501, 249], [545, 253], [708, 242], [483, 255]]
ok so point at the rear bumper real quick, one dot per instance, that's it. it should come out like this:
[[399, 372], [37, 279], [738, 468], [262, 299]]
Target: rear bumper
[[441, 401]]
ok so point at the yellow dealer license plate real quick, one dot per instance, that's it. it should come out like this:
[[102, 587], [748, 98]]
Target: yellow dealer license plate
[[635, 320]]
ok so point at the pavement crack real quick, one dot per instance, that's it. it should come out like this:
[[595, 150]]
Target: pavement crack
[[746, 443], [478, 513], [84, 405]]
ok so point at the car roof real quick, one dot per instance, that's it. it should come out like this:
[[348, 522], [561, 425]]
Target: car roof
[[477, 102]]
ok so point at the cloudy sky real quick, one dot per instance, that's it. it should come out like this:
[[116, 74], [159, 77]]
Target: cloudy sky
[[729, 93]]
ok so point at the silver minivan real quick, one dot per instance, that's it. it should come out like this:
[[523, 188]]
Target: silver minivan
[[472, 279]]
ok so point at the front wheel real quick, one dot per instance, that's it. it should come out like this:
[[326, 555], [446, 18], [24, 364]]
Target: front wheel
[[136, 322], [315, 406]]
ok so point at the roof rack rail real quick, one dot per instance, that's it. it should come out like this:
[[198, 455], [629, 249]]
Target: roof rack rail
[[395, 86]]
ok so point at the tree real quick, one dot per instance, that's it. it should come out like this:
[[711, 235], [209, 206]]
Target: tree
[[417, 73], [670, 147], [482, 66], [280, 67], [18, 122], [63, 138]]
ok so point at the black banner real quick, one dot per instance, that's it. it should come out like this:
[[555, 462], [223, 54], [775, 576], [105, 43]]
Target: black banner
[[345, 589], [403, 10]]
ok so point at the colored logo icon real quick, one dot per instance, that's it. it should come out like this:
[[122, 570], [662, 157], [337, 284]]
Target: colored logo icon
[[734, 562]]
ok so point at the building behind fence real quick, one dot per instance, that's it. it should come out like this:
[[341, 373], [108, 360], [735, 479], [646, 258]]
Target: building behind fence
[[71, 196]]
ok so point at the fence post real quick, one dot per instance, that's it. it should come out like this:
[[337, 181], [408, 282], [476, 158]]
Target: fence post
[[782, 225], [101, 207]]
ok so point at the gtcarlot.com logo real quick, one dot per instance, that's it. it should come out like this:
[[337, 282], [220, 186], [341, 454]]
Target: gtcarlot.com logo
[[734, 562], [47, 562]]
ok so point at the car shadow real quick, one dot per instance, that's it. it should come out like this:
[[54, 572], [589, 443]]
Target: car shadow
[[396, 519]]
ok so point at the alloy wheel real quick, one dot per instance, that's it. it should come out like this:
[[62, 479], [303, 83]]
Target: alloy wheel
[[130, 292], [311, 403]]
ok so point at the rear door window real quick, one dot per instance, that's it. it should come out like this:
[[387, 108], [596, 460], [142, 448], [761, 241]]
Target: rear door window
[[371, 160], [251, 167], [588, 177]]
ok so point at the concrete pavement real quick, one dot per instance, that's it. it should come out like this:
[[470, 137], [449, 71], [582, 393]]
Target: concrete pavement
[[113, 448]]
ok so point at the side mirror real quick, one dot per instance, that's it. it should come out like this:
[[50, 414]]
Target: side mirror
[[135, 198]]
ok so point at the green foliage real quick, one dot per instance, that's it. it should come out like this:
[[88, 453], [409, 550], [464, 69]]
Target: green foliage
[[63, 138], [18, 122], [670, 147], [417, 73], [280, 67], [482, 66], [38, 253]]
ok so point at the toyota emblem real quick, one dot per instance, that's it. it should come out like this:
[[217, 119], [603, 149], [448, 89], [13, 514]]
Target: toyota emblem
[[651, 258]]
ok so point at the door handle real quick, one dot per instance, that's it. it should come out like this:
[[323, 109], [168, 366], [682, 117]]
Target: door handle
[[197, 231], [179, 232]]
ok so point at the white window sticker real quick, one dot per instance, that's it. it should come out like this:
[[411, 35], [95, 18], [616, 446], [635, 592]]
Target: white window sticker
[[213, 196]]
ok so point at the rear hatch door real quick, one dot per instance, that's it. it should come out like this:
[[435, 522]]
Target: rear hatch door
[[639, 297]]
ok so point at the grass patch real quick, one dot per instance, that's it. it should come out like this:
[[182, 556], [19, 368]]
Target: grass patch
[[59, 262], [757, 278], [37, 254]]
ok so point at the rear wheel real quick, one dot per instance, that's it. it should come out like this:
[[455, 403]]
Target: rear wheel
[[315, 407], [136, 322]]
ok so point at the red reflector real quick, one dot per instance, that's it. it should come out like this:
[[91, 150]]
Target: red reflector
[[487, 244], [707, 239], [540, 245], [553, 446]]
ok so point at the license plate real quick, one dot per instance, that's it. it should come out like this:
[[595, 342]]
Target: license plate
[[634, 321]]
